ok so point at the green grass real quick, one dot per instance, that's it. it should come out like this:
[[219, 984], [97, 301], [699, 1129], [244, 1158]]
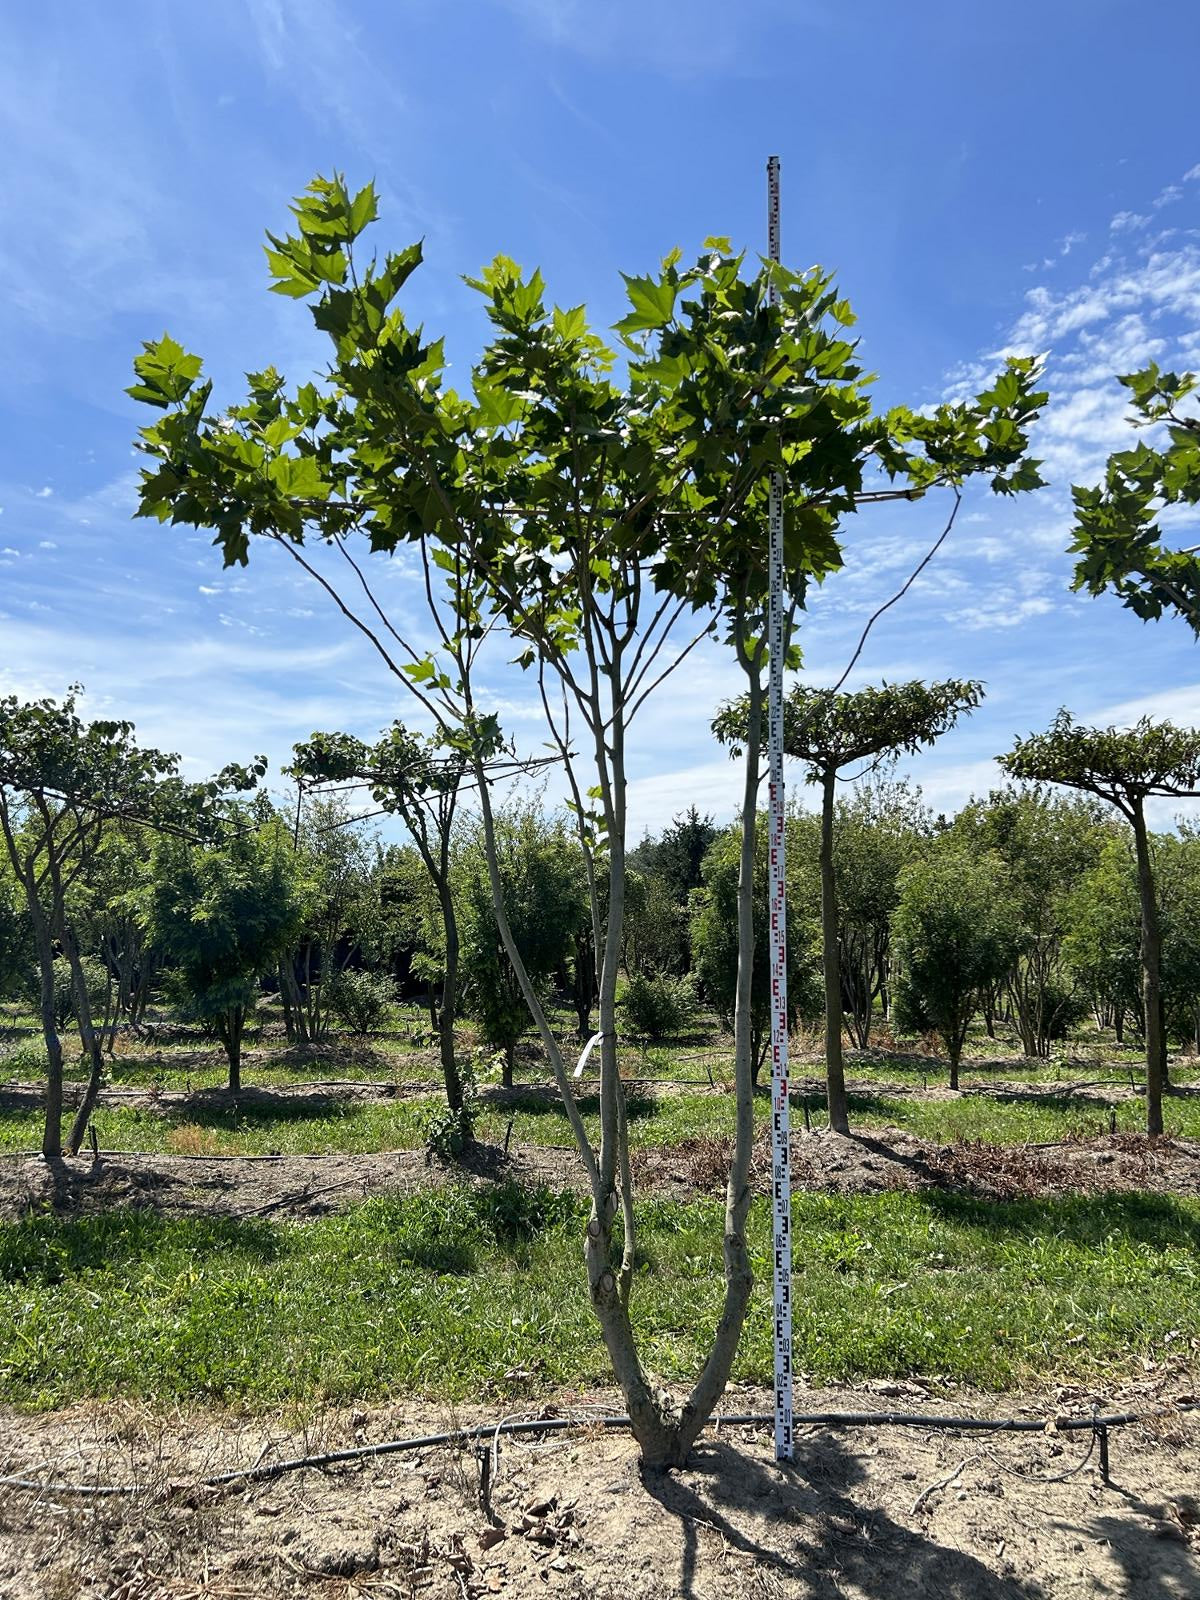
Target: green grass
[[315, 1126], [443, 1293]]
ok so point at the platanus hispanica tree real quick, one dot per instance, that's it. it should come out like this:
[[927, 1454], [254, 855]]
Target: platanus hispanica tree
[[1126, 767], [605, 526], [829, 731], [1119, 535]]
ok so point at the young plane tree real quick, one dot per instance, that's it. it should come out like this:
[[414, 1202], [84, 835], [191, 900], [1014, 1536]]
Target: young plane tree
[[829, 731], [606, 526], [1119, 535], [1125, 767]]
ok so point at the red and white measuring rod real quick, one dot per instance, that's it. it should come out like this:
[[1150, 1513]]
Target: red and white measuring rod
[[781, 1168]]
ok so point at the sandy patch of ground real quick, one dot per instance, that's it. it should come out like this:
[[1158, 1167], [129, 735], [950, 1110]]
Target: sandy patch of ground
[[298, 1188], [870, 1514]]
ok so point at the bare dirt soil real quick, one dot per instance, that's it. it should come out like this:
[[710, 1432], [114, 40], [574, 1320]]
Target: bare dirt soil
[[877, 1513], [296, 1188]]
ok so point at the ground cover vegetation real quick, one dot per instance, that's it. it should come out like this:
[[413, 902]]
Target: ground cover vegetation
[[261, 976]]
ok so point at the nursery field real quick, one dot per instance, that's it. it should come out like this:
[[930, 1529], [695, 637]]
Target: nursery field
[[227, 1273]]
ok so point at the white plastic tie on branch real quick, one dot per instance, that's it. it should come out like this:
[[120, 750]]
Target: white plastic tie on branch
[[586, 1052], [781, 1171]]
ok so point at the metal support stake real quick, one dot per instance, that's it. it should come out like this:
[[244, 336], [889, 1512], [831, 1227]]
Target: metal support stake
[[781, 1171]]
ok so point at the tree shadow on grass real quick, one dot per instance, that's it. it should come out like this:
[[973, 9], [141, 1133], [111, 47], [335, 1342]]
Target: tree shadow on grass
[[259, 1109], [801, 1524], [532, 1102], [1161, 1221], [50, 1249]]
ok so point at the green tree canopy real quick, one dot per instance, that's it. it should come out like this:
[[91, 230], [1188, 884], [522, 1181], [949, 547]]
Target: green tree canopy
[[585, 509], [1119, 535], [954, 932], [1125, 767], [63, 781], [222, 914]]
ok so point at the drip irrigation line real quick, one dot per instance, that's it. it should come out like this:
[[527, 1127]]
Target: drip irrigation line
[[1097, 1424]]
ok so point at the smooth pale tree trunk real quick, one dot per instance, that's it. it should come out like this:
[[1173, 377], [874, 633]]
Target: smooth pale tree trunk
[[1151, 973], [665, 1430], [294, 1019], [92, 1044], [52, 1132], [445, 1021], [835, 1074]]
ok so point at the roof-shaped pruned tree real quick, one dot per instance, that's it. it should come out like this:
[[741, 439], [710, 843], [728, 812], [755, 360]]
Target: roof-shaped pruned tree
[[828, 731], [1126, 767], [1119, 535], [62, 782]]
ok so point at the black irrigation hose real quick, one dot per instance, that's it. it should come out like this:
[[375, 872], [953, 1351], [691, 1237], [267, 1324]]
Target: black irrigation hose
[[1096, 1424]]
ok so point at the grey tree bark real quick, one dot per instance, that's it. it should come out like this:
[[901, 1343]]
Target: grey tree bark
[[835, 1073]]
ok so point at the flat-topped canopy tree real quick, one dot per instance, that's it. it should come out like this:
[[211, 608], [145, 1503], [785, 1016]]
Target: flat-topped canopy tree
[[590, 519], [63, 781], [1126, 767], [1118, 534], [829, 731]]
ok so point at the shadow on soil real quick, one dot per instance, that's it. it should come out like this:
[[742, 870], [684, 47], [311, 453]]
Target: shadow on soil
[[821, 1541]]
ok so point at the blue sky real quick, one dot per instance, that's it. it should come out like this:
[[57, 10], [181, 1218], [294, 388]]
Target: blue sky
[[980, 178]]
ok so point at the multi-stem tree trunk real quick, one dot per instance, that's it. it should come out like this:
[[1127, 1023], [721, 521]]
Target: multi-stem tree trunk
[[92, 1042], [664, 1429], [1151, 973], [835, 1074]]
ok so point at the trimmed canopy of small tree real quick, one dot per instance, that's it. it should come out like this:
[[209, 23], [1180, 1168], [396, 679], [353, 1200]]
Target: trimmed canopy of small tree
[[63, 781], [419, 778], [828, 731], [1125, 767]]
